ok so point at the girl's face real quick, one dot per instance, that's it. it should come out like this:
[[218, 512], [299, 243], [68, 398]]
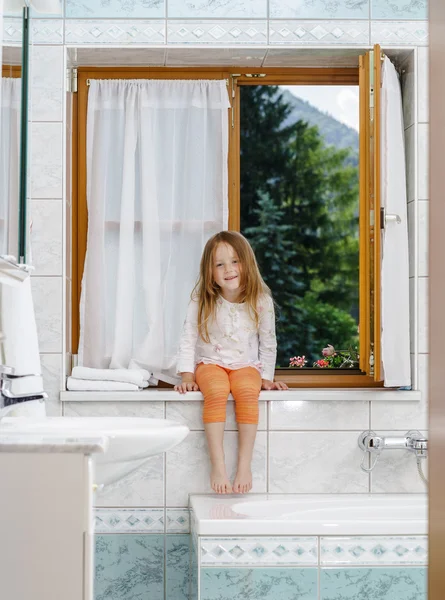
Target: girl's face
[[227, 271]]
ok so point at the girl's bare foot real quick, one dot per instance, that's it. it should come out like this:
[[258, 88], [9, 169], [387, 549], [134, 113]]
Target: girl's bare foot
[[220, 482], [243, 481]]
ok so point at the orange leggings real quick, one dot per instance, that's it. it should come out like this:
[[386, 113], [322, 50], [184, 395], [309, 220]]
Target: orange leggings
[[216, 383]]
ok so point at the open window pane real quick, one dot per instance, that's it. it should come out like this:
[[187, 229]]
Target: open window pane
[[299, 205]]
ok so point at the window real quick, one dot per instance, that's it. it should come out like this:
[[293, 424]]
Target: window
[[360, 217]]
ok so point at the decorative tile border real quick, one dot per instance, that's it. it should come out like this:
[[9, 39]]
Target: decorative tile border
[[319, 32], [253, 551], [177, 520], [12, 30], [47, 31], [217, 32], [82, 31], [411, 33], [376, 550], [129, 520]]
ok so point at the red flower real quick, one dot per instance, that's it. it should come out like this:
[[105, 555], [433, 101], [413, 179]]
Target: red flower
[[322, 363]]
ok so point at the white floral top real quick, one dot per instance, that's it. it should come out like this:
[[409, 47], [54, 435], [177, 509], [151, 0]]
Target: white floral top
[[235, 341]]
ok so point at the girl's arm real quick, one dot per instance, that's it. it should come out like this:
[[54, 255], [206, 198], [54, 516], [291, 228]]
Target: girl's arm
[[186, 354], [268, 345]]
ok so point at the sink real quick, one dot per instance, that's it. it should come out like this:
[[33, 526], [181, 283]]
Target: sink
[[131, 440]]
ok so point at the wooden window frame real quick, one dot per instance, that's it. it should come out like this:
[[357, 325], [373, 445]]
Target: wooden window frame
[[236, 78]]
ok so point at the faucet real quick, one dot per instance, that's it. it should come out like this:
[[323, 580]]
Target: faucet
[[7, 398]]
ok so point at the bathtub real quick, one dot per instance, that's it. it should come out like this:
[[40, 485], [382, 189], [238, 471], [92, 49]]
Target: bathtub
[[309, 514]]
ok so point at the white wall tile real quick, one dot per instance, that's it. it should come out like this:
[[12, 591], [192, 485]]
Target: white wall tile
[[319, 32], [412, 313], [410, 164], [408, 91], [412, 234], [423, 315], [312, 462], [423, 234], [207, 9], [423, 161], [398, 33], [301, 415], [46, 31], [396, 471], [46, 237], [107, 31], [46, 83], [190, 413], [423, 85], [188, 468], [217, 32], [51, 371], [46, 160], [152, 410], [47, 296]]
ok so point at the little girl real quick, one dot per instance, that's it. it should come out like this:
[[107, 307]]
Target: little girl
[[228, 344]]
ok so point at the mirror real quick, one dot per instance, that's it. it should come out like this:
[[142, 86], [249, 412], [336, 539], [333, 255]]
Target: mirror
[[13, 139]]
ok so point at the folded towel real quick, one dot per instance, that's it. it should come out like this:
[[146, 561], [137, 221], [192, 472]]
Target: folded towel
[[137, 377], [89, 385]]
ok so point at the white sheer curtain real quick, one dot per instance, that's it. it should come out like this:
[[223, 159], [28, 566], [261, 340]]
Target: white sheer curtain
[[9, 164], [395, 265], [157, 190]]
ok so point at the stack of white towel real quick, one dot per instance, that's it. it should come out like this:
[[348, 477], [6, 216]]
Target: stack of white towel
[[109, 380]]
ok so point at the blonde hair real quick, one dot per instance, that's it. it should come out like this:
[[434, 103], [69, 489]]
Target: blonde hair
[[206, 290]]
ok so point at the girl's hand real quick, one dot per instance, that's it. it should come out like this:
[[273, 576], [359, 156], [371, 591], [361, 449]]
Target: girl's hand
[[273, 385], [188, 384]]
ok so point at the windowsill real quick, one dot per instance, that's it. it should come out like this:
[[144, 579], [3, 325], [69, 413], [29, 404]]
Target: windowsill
[[306, 394]]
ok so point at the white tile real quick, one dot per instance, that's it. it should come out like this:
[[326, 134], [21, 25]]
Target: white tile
[[412, 234], [52, 371], [129, 520], [423, 234], [46, 160], [423, 315], [249, 57], [46, 31], [153, 410], [422, 85], [190, 413], [107, 31], [412, 312], [423, 161], [398, 33], [319, 32], [216, 32], [301, 415], [396, 471], [188, 468], [47, 297], [378, 550], [408, 91], [402, 415], [177, 520], [46, 83], [207, 9], [142, 487], [12, 32], [410, 164], [327, 462], [317, 9], [46, 237], [423, 376]]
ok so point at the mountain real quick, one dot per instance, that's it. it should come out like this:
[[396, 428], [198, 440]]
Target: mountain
[[334, 132]]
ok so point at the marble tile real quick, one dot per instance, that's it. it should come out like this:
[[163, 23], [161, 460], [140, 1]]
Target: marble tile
[[207, 9], [12, 31], [399, 33], [410, 164], [374, 550], [423, 161], [46, 31], [326, 462], [133, 9], [194, 568], [47, 297], [142, 487], [412, 236], [422, 85], [46, 237], [261, 584], [153, 410], [319, 32], [319, 9], [177, 567], [190, 413], [422, 237], [129, 566], [177, 520], [423, 283], [396, 471], [413, 310], [399, 9], [129, 520], [301, 415], [46, 83], [256, 551], [217, 32], [107, 31], [373, 583], [51, 365], [46, 160], [407, 82], [188, 468]]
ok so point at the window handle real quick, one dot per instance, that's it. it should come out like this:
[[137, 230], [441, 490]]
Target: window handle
[[388, 218]]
